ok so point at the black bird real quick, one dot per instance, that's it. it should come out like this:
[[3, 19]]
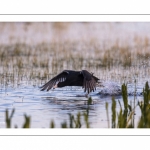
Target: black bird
[[73, 78]]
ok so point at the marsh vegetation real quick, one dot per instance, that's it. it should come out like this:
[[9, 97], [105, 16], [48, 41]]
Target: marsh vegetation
[[32, 53]]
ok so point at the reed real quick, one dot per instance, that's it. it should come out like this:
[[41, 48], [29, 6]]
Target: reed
[[8, 119], [144, 121], [113, 109], [116, 63]]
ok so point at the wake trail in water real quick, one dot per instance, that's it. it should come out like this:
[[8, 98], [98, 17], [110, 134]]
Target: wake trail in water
[[113, 88]]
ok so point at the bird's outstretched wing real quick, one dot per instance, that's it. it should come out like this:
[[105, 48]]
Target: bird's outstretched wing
[[59, 78], [89, 81]]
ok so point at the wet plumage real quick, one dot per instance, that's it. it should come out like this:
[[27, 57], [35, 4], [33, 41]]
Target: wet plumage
[[73, 78]]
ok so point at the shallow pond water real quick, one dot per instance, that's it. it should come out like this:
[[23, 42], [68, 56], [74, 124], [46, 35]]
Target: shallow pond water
[[56, 105]]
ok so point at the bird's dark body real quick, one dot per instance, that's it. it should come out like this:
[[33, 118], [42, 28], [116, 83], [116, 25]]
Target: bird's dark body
[[73, 78]]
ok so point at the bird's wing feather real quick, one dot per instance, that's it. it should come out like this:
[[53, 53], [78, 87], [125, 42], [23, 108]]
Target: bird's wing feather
[[59, 78], [89, 81]]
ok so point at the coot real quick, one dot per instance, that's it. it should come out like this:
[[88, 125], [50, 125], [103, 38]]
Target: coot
[[73, 78]]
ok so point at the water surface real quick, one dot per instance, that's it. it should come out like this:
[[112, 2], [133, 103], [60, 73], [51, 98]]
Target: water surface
[[56, 104]]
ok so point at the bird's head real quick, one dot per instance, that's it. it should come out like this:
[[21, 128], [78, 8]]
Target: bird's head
[[92, 73]]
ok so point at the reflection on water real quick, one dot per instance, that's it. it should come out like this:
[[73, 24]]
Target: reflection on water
[[55, 105]]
